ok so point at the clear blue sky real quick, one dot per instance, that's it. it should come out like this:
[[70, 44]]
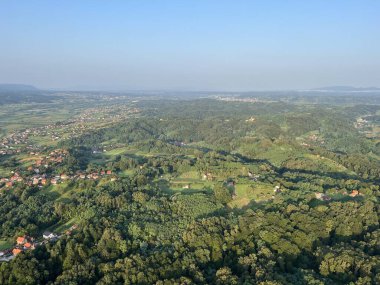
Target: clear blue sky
[[190, 45]]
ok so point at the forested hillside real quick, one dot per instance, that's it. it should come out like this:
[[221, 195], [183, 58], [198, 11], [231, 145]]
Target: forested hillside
[[197, 191]]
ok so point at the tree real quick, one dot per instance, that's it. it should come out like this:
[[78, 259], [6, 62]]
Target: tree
[[222, 194]]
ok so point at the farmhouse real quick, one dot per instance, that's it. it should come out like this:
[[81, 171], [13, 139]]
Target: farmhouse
[[64, 176], [21, 240], [354, 193], [49, 235], [16, 251], [322, 197], [277, 189], [28, 245]]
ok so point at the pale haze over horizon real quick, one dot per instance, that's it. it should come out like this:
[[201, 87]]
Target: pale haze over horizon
[[190, 45]]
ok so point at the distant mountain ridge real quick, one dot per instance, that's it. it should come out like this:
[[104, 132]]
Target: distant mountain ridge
[[346, 89], [22, 93], [16, 87]]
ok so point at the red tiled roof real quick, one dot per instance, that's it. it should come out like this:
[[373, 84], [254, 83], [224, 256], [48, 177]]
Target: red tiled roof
[[21, 240], [16, 251], [354, 193]]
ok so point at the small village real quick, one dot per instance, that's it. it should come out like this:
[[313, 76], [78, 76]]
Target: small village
[[32, 147], [32, 139], [26, 243], [237, 99], [35, 174]]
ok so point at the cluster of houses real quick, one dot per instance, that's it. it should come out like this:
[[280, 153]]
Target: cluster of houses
[[178, 143], [360, 123], [252, 176], [111, 114], [9, 150], [237, 99], [43, 179], [208, 176], [325, 197], [56, 156], [16, 138], [250, 120], [316, 139], [312, 139], [13, 179], [24, 243], [37, 177], [82, 175], [18, 142], [6, 148]]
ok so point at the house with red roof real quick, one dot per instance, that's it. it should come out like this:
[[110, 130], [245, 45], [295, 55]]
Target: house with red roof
[[16, 251], [28, 245], [21, 240]]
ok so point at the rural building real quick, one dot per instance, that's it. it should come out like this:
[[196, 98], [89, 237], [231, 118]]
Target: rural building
[[21, 240], [16, 251], [48, 235]]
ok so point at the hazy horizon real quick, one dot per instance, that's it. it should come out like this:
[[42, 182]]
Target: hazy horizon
[[190, 45]]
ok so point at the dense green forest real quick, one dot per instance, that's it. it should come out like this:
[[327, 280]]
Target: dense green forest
[[280, 191]]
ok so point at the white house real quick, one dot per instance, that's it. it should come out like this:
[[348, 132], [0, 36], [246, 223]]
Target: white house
[[48, 235]]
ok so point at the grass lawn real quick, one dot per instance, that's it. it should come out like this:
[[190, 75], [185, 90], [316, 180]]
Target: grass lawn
[[59, 191], [4, 172], [5, 244], [175, 186], [61, 227], [117, 151], [190, 174], [127, 172], [277, 154], [245, 193]]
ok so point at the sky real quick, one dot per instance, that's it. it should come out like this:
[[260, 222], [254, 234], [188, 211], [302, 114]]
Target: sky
[[190, 44]]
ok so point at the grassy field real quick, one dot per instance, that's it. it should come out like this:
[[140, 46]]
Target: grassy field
[[19, 116], [59, 191], [5, 244], [328, 163], [61, 227], [127, 172], [4, 172], [245, 193], [277, 154], [117, 151]]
